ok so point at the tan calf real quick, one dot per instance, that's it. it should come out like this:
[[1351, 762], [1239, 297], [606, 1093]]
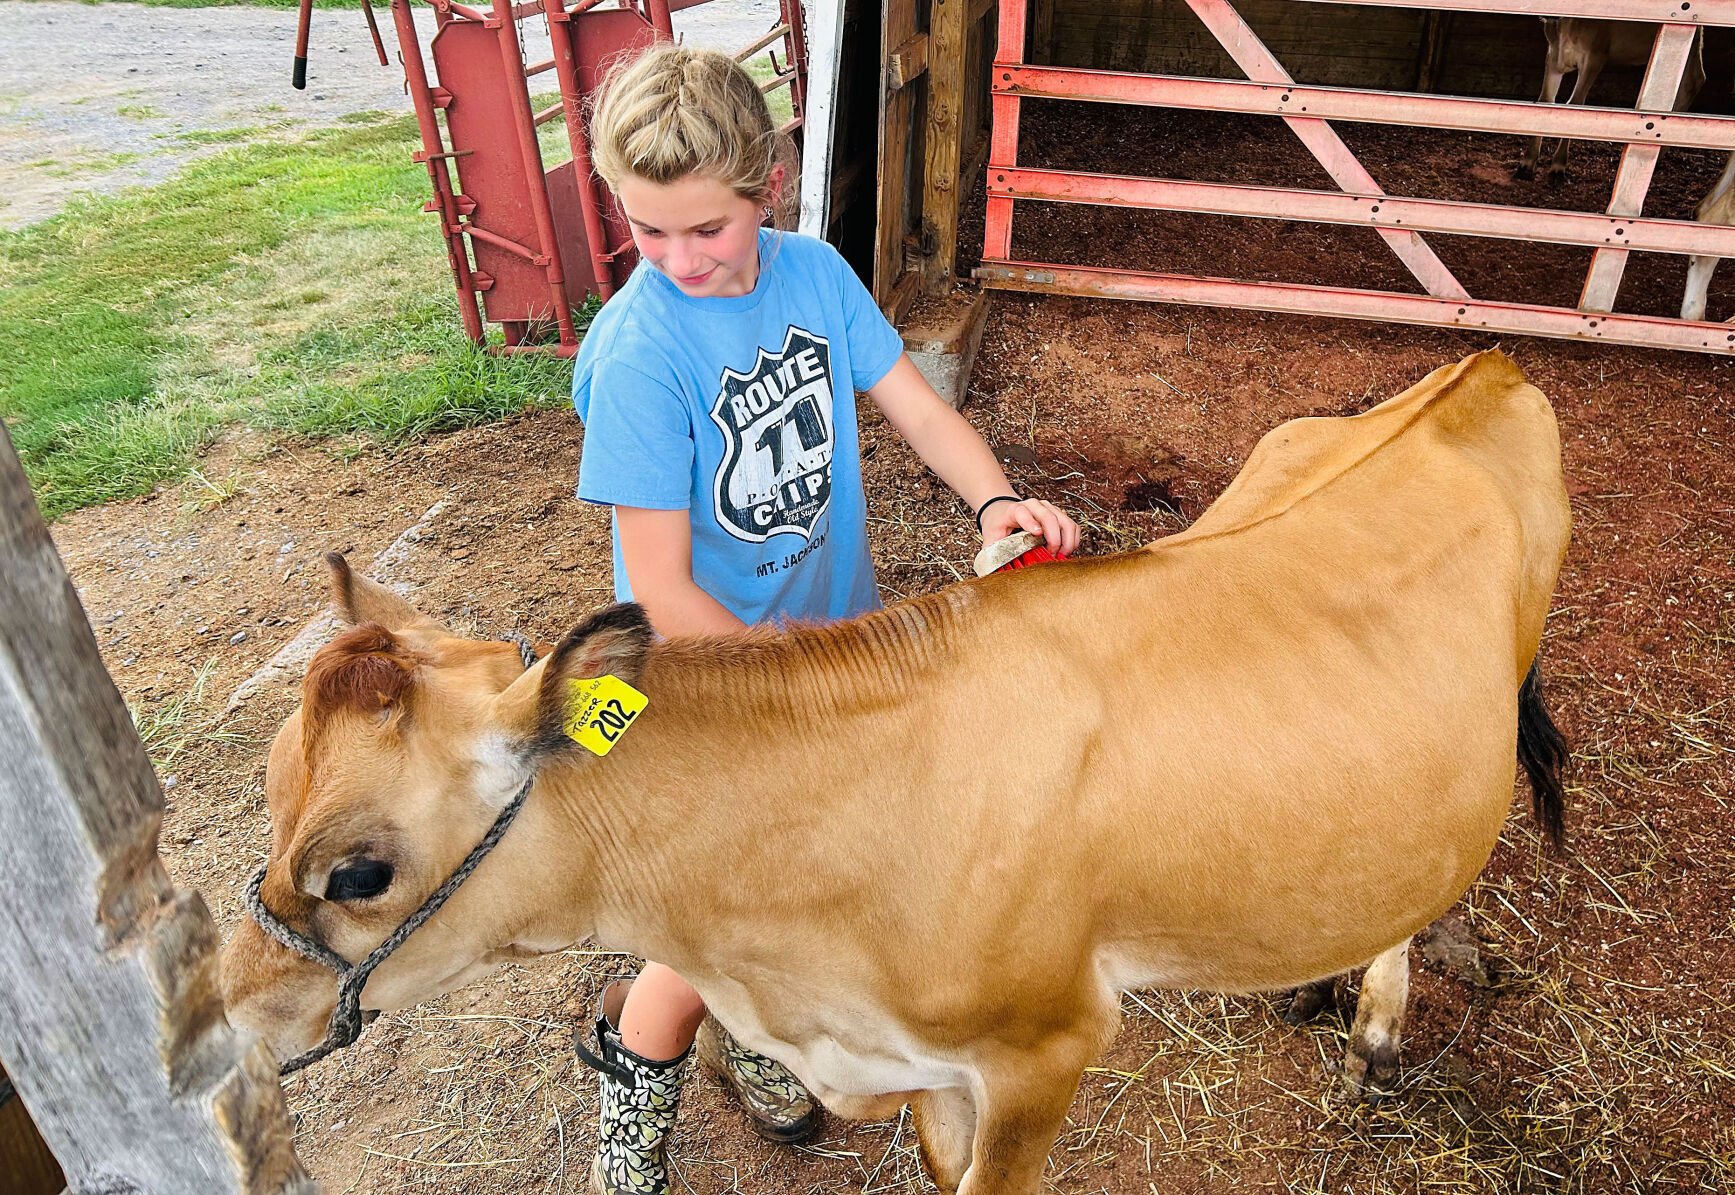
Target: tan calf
[[1260, 752]]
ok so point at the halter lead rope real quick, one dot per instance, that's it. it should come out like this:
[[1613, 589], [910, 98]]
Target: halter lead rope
[[345, 1024]]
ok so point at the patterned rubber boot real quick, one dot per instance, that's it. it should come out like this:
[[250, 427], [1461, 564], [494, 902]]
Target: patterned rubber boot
[[777, 1104], [639, 1099]]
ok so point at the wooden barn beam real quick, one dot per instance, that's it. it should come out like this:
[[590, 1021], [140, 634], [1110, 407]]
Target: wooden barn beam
[[907, 63], [1436, 40], [111, 1020], [893, 284], [948, 34]]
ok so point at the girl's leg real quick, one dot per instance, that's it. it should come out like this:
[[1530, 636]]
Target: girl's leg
[[644, 1037], [641, 1080], [661, 1014]]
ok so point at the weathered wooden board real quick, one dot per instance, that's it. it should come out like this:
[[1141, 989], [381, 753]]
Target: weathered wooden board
[[825, 21], [948, 41], [111, 1021], [899, 162]]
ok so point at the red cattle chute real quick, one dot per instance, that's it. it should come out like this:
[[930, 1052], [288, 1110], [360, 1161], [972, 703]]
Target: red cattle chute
[[527, 241]]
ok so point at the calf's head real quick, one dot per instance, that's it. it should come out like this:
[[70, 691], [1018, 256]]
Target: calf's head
[[408, 743]]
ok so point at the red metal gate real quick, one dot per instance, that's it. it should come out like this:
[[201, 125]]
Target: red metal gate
[[526, 242], [1307, 110]]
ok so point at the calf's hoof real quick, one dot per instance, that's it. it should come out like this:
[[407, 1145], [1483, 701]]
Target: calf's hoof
[[1523, 172], [1308, 1002], [1370, 1073], [1558, 178]]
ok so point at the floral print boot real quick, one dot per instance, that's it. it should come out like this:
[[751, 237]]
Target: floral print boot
[[639, 1099], [780, 1108]]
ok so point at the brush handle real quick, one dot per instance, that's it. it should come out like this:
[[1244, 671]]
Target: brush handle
[[1009, 551]]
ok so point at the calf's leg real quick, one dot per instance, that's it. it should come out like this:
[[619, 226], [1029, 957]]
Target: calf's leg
[[1552, 77], [945, 1126], [1370, 1065], [1718, 207], [1699, 271], [1587, 73], [1309, 1000], [1020, 1111]]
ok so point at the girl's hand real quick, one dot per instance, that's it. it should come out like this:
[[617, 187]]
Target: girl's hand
[[1059, 533]]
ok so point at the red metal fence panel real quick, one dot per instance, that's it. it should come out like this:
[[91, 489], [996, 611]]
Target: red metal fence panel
[[527, 241], [1399, 220]]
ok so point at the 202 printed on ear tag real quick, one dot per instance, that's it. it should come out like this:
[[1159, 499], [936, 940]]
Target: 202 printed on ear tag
[[599, 710]]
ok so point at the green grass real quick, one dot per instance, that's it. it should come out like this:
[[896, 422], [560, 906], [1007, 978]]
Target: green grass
[[171, 726], [287, 282], [292, 285], [235, 136], [78, 165]]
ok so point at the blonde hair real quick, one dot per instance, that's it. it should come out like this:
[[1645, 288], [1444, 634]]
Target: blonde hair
[[673, 111]]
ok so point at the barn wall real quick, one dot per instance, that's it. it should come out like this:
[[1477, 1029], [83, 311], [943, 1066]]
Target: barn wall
[[1329, 44]]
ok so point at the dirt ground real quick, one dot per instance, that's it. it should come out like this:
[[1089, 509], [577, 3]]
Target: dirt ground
[[97, 97], [1601, 1052], [1593, 1052]]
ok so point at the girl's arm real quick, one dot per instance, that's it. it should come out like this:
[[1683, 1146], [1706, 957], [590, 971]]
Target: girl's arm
[[953, 449], [657, 550]]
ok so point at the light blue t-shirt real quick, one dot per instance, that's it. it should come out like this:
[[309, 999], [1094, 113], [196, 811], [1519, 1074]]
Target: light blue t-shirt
[[741, 410]]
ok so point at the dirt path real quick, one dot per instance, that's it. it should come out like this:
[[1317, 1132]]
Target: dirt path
[[97, 97]]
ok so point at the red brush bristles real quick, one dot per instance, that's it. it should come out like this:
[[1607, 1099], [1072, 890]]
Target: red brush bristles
[[1006, 550], [1040, 554]]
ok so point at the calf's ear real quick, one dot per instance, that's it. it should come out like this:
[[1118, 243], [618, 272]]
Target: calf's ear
[[611, 642], [357, 600]]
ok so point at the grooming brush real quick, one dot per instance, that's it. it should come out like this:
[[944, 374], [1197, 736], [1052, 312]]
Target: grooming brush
[[1021, 549]]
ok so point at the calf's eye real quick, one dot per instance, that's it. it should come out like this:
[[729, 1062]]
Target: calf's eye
[[359, 880]]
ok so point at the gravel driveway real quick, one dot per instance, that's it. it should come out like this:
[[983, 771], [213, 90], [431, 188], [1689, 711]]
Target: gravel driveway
[[105, 96]]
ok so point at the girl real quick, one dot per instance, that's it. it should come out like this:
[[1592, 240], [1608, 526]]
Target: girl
[[718, 395]]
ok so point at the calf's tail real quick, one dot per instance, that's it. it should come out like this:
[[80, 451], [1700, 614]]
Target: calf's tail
[[1543, 752]]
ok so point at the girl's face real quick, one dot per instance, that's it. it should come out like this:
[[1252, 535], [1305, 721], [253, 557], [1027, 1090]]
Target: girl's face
[[701, 234]]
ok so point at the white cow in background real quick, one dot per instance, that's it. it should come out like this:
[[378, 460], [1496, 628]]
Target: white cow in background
[[1718, 207], [1586, 46]]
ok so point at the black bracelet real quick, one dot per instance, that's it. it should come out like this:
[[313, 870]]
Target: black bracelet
[[991, 502]]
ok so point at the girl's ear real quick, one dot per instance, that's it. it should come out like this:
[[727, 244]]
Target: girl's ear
[[774, 184]]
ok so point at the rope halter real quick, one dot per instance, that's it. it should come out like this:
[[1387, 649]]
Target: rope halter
[[345, 1024]]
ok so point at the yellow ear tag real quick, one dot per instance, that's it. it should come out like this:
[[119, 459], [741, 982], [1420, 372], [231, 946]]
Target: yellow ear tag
[[599, 710]]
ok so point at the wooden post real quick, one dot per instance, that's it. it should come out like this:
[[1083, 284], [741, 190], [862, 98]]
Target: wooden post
[[1436, 39], [819, 129], [111, 1020], [948, 29], [893, 283]]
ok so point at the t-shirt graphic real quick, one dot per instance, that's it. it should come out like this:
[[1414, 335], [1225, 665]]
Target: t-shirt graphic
[[779, 436]]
